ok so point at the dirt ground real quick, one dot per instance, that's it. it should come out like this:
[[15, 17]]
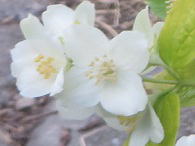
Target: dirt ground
[[34, 122]]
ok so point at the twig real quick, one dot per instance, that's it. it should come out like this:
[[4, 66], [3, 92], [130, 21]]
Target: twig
[[36, 117], [107, 27], [92, 125], [105, 1], [5, 137], [84, 136], [103, 12], [117, 13]]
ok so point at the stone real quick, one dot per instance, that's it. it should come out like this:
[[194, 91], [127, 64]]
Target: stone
[[23, 103], [19, 9], [48, 133], [105, 136]]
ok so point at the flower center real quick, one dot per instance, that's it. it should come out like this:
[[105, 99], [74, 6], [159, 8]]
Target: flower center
[[77, 22], [128, 122], [102, 69], [45, 66]]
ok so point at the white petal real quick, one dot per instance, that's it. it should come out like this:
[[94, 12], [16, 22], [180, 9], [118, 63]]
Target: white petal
[[79, 89], [32, 28], [22, 50], [84, 43], [149, 128], [129, 50], [58, 84], [85, 13], [18, 66], [142, 23], [110, 119], [32, 84], [22, 56], [25, 52], [73, 111], [47, 48], [186, 141], [126, 96], [157, 28], [57, 18]]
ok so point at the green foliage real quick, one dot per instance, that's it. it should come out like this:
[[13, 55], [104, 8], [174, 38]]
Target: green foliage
[[187, 95], [159, 7], [126, 143], [168, 109], [177, 40]]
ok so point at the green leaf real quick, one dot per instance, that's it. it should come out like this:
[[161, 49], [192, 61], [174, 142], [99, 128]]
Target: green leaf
[[187, 96], [126, 142], [159, 7], [177, 40], [188, 102], [168, 110]]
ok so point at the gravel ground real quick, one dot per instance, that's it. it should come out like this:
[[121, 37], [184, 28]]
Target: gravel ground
[[29, 122]]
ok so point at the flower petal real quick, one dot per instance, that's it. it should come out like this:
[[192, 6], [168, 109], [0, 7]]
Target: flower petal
[[142, 23], [21, 55], [72, 111], [149, 128], [58, 84], [57, 18], [126, 96], [22, 48], [79, 89], [157, 28], [110, 119], [85, 43], [85, 13], [47, 48], [32, 28], [129, 51], [25, 52], [186, 141], [32, 84]]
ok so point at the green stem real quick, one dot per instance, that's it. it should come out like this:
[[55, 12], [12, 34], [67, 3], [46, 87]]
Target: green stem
[[169, 70], [171, 82], [163, 93], [145, 79], [187, 84]]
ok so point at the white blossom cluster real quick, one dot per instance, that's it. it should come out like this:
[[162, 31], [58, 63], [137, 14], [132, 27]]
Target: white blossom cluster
[[67, 57]]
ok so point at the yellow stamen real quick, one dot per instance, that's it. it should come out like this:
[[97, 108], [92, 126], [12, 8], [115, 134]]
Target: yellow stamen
[[38, 58], [102, 69], [45, 66], [77, 22]]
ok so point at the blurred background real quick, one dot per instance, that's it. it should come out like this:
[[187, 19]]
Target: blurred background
[[34, 122]]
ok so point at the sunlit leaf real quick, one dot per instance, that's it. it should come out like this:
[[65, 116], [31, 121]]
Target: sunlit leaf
[[187, 96], [177, 40], [168, 109], [159, 7]]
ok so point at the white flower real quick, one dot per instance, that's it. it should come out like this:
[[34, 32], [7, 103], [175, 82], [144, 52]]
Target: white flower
[[143, 127], [57, 18], [72, 111], [120, 123], [142, 23], [38, 62], [186, 141], [107, 71], [147, 129]]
